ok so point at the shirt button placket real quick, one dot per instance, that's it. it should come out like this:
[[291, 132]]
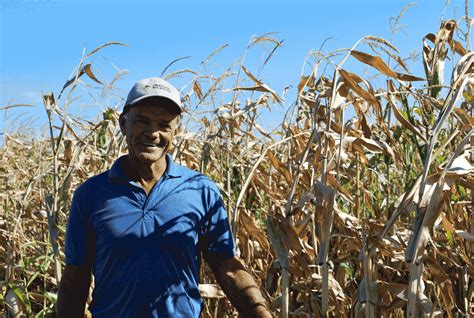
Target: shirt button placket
[[145, 213], [148, 213]]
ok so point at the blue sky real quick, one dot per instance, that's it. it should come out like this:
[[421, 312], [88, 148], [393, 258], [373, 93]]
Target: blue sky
[[42, 41]]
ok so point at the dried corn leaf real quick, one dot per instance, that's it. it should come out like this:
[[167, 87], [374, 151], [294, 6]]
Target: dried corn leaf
[[277, 164], [88, 71], [337, 293], [458, 48], [352, 81], [426, 218], [253, 78], [403, 121], [368, 145], [377, 63], [197, 89], [331, 180], [465, 116], [461, 166], [254, 231], [210, 291], [304, 82], [260, 88]]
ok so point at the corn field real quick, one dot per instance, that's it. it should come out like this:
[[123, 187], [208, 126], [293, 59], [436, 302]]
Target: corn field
[[360, 204]]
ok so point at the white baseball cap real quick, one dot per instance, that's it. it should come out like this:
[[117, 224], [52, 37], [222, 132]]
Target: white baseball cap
[[153, 87]]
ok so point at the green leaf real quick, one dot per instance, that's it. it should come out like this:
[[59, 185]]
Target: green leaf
[[470, 292], [52, 297], [450, 237], [348, 268], [32, 278], [22, 297]]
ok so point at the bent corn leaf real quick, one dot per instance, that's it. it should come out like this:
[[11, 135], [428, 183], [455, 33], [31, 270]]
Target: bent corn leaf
[[253, 78], [352, 81], [88, 71], [260, 88], [403, 121], [377, 63]]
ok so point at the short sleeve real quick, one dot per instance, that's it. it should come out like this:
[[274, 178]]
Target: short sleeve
[[217, 238], [79, 237]]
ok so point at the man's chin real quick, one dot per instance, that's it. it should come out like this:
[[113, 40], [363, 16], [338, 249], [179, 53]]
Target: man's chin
[[148, 158]]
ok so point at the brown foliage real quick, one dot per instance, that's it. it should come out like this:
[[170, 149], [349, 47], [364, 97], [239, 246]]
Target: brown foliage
[[368, 216]]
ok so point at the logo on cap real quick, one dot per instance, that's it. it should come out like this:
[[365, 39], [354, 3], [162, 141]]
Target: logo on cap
[[158, 86]]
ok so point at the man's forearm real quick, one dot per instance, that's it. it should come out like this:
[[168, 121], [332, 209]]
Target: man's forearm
[[71, 302], [72, 294], [245, 295], [241, 289]]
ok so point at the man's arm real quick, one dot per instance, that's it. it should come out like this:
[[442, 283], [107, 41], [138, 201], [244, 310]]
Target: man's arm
[[73, 291], [239, 286]]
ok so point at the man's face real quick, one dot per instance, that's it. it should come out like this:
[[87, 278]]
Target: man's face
[[149, 130]]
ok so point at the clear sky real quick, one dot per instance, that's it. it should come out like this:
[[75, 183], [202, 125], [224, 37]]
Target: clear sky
[[43, 40]]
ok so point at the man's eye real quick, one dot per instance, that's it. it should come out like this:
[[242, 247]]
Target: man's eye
[[141, 121]]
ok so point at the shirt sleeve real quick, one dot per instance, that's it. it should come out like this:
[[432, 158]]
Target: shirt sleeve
[[79, 236], [217, 236]]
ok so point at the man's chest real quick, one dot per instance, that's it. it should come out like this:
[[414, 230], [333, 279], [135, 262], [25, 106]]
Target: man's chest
[[135, 220]]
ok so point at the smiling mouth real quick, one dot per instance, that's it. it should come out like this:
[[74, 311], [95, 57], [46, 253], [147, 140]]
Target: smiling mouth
[[149, 144], [154, 145]]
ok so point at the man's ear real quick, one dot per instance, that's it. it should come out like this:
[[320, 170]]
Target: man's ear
[[177, 126], [122, 120]]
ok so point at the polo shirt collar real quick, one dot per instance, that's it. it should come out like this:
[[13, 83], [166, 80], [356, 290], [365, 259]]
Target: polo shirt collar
[[172, 169]]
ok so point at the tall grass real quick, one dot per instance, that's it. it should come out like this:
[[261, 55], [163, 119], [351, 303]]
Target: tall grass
[[337, 216]]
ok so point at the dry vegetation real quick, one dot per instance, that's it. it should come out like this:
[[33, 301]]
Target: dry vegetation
[[359, 204]]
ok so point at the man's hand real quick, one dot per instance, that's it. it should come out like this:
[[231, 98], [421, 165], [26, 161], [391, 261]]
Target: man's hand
[[239, 286], [73, 291]]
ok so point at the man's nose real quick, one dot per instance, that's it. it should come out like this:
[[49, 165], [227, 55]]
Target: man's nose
[[154, 132]]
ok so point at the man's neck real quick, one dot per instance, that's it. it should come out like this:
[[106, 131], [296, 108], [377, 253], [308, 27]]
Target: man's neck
[[146, 174]]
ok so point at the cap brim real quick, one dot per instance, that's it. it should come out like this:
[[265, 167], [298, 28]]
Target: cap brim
[[159, 99]]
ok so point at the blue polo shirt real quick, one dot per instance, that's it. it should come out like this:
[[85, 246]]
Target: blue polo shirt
[[145, 249]]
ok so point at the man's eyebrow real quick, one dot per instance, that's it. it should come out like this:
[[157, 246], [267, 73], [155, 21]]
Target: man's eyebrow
[[163, 120]]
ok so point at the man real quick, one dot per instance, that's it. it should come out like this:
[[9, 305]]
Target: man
[[141, 227]]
